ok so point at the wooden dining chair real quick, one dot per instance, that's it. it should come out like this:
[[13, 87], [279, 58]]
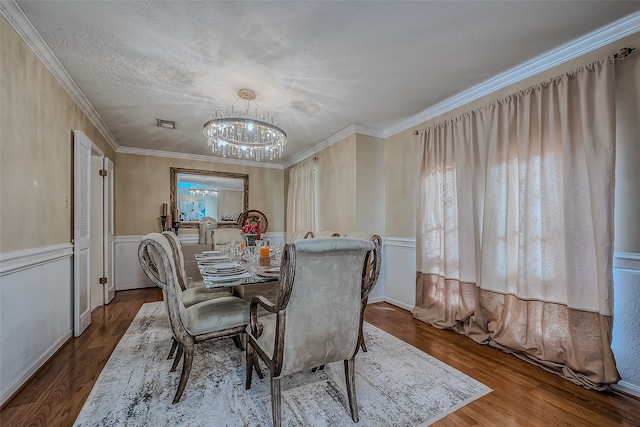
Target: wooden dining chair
[[316, 317], [212, 319]]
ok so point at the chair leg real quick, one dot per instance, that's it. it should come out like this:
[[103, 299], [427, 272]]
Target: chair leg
[[174, 346], [363, 346], [248, 369], [237, 342], [256, 365], [275, 401], [186, 370], [350, 378], [177, 359]]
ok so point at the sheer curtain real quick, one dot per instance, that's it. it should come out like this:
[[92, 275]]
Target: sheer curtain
[[515, 225], [301, 198]]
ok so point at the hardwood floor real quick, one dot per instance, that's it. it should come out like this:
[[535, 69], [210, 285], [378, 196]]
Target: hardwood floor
[[523, 395]]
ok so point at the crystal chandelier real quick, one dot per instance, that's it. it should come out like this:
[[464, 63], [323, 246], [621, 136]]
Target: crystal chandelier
[[202, 190], [238, 135]]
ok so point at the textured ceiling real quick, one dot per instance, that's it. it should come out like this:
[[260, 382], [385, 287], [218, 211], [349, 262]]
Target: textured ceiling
[[320, 67]]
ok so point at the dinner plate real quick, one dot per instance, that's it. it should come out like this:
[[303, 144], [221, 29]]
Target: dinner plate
[[216, 272], [227, 265], [212, 252], [273, 270]]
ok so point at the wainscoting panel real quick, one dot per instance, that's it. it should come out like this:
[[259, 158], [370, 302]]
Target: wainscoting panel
[[626, 320], [128, 273], [35, 311], [399, 259]]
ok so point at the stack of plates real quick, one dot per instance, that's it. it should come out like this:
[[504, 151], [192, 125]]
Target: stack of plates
[[224, 269]]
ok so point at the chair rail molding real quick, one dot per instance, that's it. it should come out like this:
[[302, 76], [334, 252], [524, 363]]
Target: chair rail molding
[[626, 262], [11, 262]]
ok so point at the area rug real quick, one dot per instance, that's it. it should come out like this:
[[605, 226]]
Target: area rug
[[396, 385]]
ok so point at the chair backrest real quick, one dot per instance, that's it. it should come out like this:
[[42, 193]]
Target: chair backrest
[[300, 234], [222, 236], [323, 234], [319, 302], [154, 249], [253, 215], [178, 257], [375, 260], [206, 225]]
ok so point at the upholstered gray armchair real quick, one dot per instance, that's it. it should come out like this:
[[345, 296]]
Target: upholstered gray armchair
[[215, 318], [316, 317], [207, 224], [193, 292], [372, 273]]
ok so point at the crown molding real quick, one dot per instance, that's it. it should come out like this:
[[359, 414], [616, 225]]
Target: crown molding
[[338, 136], [198, 157], [25, 29], [596, 39]]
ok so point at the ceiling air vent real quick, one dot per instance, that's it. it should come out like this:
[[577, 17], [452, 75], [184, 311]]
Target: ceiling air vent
[[167, 124]]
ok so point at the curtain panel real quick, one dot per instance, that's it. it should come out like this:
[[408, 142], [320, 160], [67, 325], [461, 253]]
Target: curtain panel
[[301, 198], [515, 225]]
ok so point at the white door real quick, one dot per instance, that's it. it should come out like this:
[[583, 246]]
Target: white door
[[108, 239], [81, 237]]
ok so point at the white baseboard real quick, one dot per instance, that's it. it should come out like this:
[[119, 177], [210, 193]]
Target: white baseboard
[[7, 392], [372, 300], [627, 388], [400, 304]]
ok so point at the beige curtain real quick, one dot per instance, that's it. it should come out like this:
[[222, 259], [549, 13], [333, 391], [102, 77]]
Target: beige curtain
[[515, 225], [301, 199]]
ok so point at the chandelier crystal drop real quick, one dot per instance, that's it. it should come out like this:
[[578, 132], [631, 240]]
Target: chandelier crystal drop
[[238, 135]]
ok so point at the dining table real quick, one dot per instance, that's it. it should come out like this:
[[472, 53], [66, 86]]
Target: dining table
[[220, 270]]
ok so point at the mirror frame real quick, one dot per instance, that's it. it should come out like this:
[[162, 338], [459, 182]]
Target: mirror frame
[[174, 188]]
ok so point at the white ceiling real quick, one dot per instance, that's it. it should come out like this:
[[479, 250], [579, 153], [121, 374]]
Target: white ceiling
[[320, 67]]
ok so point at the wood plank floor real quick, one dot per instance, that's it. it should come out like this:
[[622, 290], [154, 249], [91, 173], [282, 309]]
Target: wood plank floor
[[523, 395]]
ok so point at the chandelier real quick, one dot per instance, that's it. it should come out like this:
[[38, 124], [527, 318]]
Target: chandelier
[[238, 135], [203, 190]]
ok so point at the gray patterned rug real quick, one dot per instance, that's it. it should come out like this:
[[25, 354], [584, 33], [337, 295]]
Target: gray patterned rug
[[396, 385]]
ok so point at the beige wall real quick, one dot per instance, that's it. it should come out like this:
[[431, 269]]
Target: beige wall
[[336, 186], [370, 188], [229, 203], [402, 151], [37, 117], [627, 210], [142, 185]]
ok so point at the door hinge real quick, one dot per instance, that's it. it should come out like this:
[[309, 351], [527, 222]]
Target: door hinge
[[102, 172], [103, 280]]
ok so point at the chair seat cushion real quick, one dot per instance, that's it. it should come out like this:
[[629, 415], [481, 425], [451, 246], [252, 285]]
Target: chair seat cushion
[[216, 314], [199, 294]]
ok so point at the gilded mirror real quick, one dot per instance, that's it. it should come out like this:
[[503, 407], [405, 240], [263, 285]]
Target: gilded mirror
[[199, 193]]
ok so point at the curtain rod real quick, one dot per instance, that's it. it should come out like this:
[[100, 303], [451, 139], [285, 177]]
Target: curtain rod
[[621, 54], [624, 52]]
